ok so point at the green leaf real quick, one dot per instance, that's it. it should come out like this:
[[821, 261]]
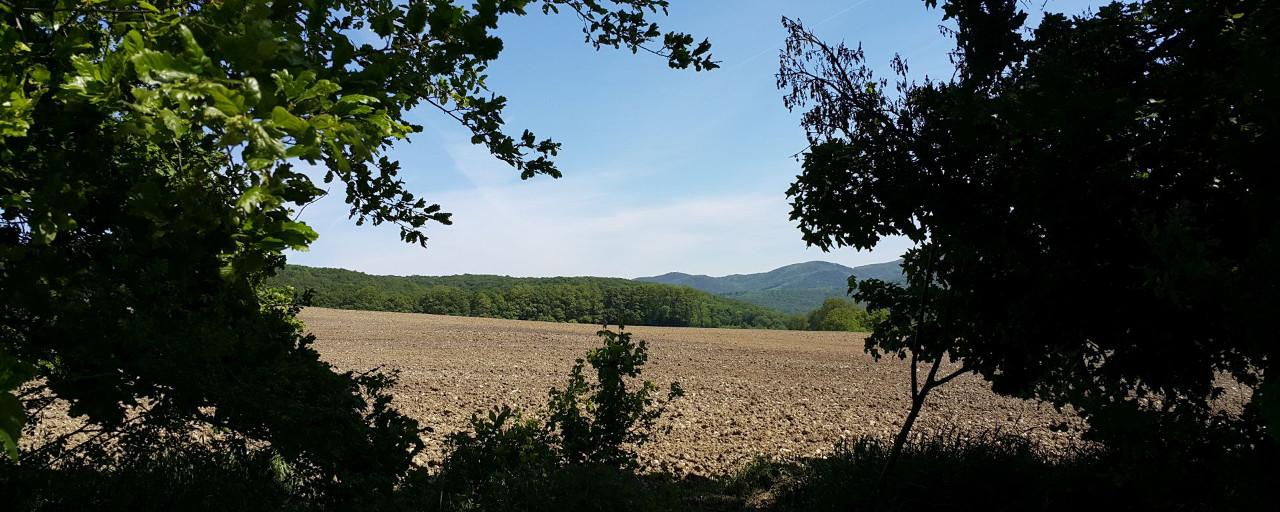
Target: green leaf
[[297, 235], [321, 89], [38, 73], [192, 52], [133, 42], [9, 444], [384, 24], [227, 101], [361, 99], [45, 231], [253, 197], [416, 20], [158, 66], [13, 373], [12, 418], [252, 91], [263, 148], [178, 125], [287, 121]]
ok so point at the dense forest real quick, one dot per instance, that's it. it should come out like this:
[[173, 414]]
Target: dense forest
[[594, 300], [791, 302]]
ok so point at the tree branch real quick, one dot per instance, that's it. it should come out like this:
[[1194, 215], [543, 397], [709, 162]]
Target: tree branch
[[961, 371], [933, 372]]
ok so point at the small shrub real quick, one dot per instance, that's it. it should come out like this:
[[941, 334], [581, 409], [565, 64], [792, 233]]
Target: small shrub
[[504, 458], [597, 422], [585, 438]]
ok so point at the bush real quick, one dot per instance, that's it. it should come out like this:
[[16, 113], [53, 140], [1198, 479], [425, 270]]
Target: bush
[[505, 457], [603, 427], [589, 428]]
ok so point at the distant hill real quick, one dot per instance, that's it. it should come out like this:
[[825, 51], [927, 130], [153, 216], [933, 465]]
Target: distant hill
[[592, 300], [796, 288]]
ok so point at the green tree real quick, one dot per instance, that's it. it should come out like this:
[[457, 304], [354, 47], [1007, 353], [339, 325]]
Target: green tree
[[1092, 204], [483, 305], [445, 300], [840, 315], [148, 185], [370, 297]]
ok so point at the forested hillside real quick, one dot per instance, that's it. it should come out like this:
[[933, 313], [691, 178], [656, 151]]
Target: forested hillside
[[812, 274], [792, 289], [792, 302], [595, 300]]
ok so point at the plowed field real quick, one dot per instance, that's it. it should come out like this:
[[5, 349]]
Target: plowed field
[[749, 392]]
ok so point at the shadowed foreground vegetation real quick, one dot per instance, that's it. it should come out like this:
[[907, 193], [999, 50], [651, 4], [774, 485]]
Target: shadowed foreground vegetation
[[983, 473]]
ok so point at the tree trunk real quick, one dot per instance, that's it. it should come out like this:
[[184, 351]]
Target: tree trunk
[[900, 441]]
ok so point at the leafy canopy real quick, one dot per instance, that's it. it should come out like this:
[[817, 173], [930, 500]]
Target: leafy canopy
[[1091, 198], [148, 185], [837, 314], [324, 82]]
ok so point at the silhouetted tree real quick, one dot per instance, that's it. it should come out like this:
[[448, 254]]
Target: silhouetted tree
[[1093, 204]]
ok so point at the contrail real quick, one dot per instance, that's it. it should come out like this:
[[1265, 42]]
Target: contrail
[[820, 23], [842, 11]]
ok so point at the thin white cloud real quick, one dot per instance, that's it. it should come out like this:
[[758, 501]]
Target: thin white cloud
[[603, 221], [577, 227]]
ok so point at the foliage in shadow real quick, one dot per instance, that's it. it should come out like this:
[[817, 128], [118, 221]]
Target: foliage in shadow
[[508, 463], [997, 472], [172, 475]]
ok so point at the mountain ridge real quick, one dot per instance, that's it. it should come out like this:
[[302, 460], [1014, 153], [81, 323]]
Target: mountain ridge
[[794, 288]]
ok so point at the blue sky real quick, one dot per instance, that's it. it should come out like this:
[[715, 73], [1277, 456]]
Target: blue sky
[[665, 170]]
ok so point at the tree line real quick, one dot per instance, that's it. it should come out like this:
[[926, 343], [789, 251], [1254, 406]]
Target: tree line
[[568, 299], [588, 300]]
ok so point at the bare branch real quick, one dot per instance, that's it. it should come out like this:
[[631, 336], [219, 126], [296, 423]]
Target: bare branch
[[933, 372], [961, 371]]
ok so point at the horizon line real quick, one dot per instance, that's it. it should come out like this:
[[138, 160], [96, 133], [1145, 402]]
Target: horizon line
[[605, 277]]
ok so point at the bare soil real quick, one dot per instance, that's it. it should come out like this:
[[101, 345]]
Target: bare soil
[[750, 393]]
